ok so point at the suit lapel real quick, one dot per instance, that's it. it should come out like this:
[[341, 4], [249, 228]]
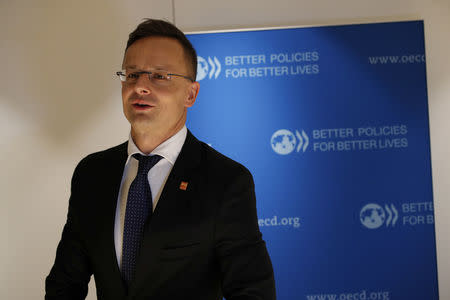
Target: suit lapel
[[172, 205], [114, 163]]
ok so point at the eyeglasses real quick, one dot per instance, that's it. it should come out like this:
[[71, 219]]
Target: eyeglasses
[[159, 78]]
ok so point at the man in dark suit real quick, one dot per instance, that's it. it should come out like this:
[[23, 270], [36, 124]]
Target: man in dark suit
[[185, 226]]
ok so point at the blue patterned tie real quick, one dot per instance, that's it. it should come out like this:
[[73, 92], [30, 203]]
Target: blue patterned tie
[[138, 209]]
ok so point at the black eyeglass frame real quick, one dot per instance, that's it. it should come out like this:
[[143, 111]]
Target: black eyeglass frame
[[122, 73]]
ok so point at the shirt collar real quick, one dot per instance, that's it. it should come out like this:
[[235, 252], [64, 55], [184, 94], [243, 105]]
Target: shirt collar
[[169, 149]]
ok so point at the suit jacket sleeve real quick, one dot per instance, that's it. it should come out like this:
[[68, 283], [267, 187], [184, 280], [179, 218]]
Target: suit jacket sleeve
[[244, 262], [71, 272]]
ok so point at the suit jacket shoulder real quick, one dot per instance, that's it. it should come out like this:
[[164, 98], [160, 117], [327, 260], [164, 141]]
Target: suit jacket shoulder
[[103, 158], [208, 160]]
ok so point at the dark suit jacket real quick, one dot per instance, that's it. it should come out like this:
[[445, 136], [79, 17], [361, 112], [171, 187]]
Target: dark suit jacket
[[200, 243]]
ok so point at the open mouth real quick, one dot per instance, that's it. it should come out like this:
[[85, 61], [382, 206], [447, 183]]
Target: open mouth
[[141, 106]]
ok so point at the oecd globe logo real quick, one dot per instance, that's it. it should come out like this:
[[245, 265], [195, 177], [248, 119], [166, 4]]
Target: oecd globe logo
[[372, 216], [202, 68], [283, 142]]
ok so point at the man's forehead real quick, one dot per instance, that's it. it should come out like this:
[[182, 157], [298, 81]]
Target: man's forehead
[[155, 43], [155, 52]]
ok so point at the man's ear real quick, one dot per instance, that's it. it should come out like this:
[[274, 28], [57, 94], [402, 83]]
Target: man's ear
[[194, 87]]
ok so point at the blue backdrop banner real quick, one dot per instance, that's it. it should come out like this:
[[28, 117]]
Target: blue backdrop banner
[[332, 122]]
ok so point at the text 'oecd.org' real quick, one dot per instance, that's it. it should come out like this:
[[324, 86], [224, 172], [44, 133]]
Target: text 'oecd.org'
[[279, 221], [361, 295]]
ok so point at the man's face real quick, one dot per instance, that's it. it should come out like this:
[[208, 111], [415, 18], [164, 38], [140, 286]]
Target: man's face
[[151, 107]]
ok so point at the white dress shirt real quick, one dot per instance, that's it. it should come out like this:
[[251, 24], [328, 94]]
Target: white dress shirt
[[157, 177]]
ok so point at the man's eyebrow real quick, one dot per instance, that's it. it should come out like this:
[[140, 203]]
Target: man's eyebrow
[[134, 67]]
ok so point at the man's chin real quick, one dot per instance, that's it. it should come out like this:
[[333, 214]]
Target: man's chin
[[140, 123]]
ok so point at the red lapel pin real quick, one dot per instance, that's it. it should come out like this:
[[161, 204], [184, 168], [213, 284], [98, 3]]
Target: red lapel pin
[[183, 185]]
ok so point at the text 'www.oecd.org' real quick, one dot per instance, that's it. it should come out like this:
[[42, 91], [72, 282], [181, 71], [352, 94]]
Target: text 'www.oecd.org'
[[278, 221], [397, 59], [362, 295]]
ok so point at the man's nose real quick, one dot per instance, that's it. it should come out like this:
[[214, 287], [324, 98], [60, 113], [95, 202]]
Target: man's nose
[[142, 85]]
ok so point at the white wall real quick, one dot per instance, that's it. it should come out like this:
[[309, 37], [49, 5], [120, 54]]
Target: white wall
[[60, 100]]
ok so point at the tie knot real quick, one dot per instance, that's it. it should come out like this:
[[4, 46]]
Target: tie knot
[[146, 162]]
